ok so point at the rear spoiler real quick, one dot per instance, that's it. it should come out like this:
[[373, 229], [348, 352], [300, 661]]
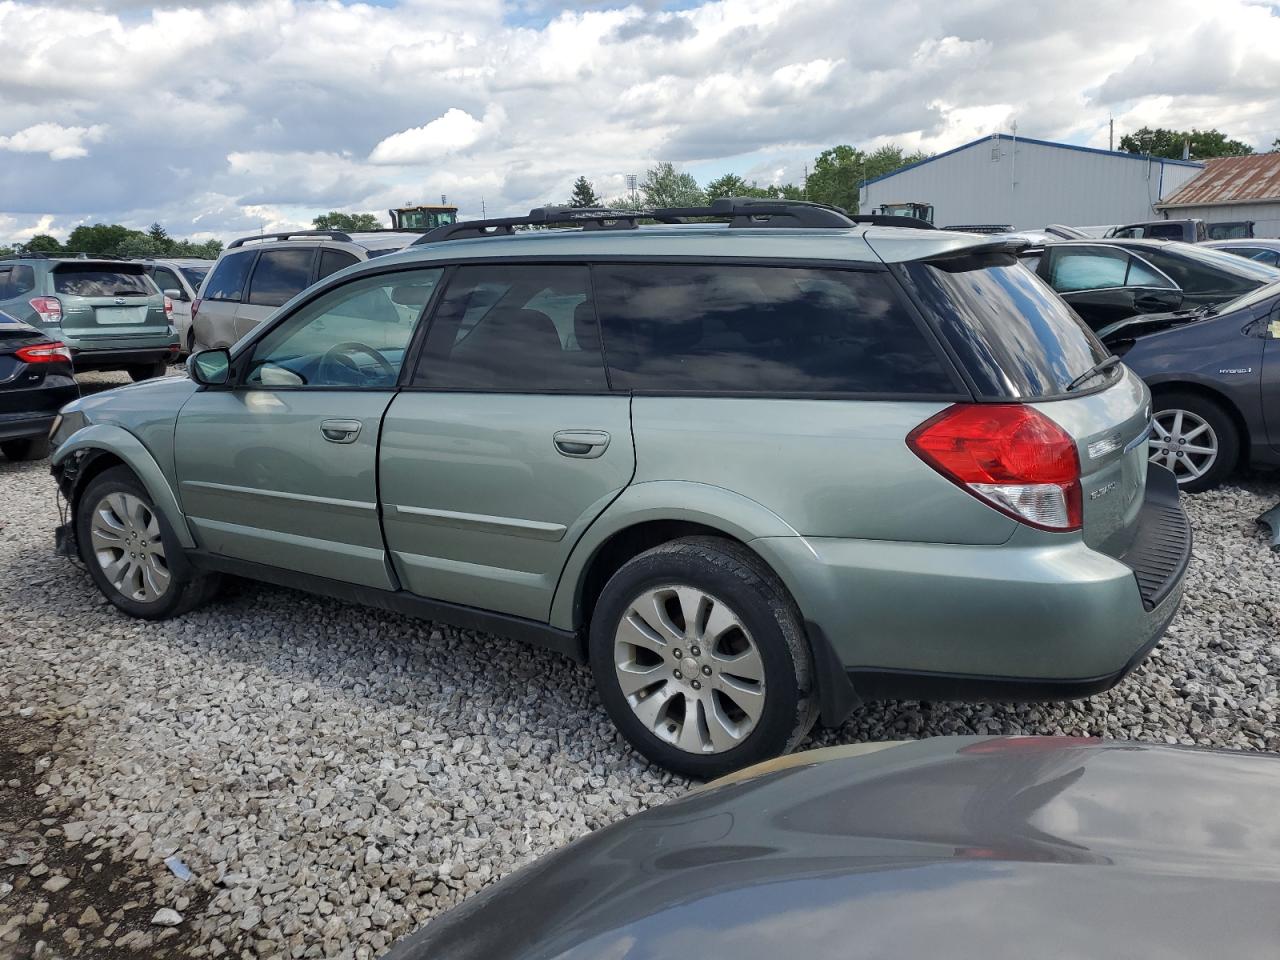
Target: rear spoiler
[[1011, 247]]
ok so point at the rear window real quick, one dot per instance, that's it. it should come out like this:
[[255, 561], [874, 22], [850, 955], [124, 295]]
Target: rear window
[[16, 280], [74, 281], [1203, 270], [750, 329], [1016, 337], [227, 282]]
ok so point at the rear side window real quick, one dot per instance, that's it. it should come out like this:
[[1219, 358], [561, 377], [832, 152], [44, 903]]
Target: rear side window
[[166, 280], [331, 261], [1094, 268], [1015, 336], [74, 281], [16, 280], [515, 329], [229, 276], [751, 329], [279, 276]]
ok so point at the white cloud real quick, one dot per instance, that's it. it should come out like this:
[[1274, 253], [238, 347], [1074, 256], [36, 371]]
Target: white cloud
[[59, 142], [454, 131], [215, 116]]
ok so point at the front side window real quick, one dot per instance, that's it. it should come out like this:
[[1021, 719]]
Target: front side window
[[515, 329], [751, 329], [355, 335], [1143, 275], [280, 276], [331, 261], [229, 276], [101, 282], [165, 280]]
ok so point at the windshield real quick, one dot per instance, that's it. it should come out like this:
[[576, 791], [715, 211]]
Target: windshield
[[195, 275], [1250, 298], [1017, 338]]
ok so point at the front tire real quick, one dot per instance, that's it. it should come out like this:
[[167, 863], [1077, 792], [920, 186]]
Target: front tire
[[700, 658], [131, 552], [29, 448], [1195, 438]]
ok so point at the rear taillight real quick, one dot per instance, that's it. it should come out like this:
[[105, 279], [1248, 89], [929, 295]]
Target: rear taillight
[[195, 307], [1009, 455], [168, 308], [49, 308], [44, 353]]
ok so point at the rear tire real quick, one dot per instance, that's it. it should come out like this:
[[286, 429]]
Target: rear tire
[[131, 551], [29, 448], [1187, 423], [712, 652], [148, 371]]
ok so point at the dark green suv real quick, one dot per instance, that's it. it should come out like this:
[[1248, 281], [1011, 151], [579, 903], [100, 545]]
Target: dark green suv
[[108, 311]]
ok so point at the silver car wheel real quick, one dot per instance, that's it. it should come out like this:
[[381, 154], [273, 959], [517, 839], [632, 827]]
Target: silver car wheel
[[1183, 442], [125, 535], [689, 669]]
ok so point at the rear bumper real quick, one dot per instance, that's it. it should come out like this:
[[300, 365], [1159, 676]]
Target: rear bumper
[[113, 358], [1032, 619], [24, 425]]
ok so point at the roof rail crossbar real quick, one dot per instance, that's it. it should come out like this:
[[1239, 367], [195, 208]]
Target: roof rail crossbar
[[739, 211], [892, 220], [292, 235]]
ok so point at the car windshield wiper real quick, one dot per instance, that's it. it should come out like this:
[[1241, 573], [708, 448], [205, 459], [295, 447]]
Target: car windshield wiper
[[1102, 366]]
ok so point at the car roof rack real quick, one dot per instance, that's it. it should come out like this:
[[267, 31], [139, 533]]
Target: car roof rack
[[739, 211], [892, 220], [293, 235], [64, 255]]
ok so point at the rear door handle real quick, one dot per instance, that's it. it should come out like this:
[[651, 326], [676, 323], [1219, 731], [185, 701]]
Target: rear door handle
[[583, 444], [340, 431]]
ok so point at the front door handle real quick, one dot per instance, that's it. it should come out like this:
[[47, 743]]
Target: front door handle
[[340, 431], [583, 444]]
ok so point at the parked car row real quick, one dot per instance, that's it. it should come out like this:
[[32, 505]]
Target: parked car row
[[720, 463]]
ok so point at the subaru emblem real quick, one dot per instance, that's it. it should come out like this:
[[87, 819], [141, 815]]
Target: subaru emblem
[[120, 301]]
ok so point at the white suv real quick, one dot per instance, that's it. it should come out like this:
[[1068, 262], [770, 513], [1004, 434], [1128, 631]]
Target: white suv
[[180, 279], [255, 275]]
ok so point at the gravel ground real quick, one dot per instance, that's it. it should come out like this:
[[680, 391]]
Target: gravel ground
[[334, 776]]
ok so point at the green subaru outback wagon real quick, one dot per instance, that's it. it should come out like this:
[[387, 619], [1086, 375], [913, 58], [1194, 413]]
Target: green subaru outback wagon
[[753, 472], [106, 310]]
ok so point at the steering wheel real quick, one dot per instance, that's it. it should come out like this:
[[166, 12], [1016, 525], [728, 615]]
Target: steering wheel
[[339, 356]]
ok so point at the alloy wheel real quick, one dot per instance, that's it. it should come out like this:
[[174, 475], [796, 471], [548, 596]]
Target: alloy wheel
[[1184, 442], [689, 669], [125, 535]]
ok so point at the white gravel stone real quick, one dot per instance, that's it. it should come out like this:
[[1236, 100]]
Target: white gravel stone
[[166, 917], [375, 770]]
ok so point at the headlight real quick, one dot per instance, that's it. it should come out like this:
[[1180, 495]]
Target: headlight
[[64, 425]]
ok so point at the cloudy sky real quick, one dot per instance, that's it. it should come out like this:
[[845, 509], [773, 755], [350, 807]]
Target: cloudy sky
[[218, 118]]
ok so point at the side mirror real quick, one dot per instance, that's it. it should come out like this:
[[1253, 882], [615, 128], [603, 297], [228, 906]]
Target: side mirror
[[210, 368], [174, 294]]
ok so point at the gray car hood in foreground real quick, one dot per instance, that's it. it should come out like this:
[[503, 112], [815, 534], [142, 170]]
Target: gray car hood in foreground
[[955, 847]]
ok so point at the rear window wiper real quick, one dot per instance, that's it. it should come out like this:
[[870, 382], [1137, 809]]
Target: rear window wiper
[[1102, 366]]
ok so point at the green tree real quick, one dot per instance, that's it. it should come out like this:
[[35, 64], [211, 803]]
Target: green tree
[[732, 185], [42, 243], [665, 186], [337, 220], [1275, 144], [1160, 142], [106, 238], [836, 173], [584, 194], [159, 236]]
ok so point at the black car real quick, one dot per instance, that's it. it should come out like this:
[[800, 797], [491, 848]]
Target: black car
[[964, 848], [1111, 280], [35, 381], [1214, 375]]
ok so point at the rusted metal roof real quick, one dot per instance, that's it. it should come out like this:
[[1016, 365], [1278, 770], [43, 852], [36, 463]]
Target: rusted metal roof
[[1231, 180]]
